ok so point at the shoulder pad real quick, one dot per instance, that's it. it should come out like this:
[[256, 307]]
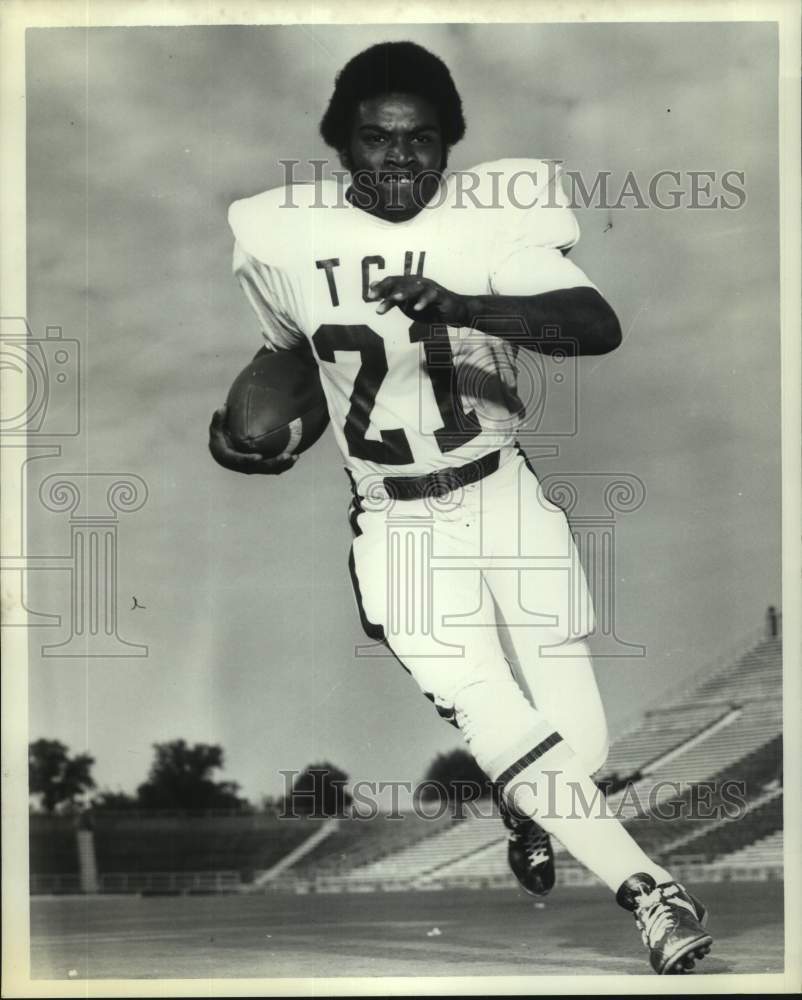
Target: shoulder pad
[[509, 180], [278, 219]]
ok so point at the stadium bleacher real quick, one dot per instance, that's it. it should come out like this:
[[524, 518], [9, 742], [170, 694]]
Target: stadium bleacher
[[708, 758], [361, 842], [764, 852], [677, 760], [54, 864], [53, 845], [243, 844], [427, 854], [763, 819], [658, 733], [757, 674], [727, 728], [678, 816]]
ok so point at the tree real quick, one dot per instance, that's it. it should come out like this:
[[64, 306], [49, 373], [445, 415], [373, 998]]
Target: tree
[[115, 801], [55, 775], [458, 777], [180, 778], [319, 790]]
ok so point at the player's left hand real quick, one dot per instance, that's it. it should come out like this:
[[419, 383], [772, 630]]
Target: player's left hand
[[421, 299]]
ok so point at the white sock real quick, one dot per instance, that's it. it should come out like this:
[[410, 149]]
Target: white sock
[[554, 795], [542, 777]]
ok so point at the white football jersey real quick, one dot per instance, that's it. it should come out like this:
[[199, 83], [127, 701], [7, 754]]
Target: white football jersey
[[406, 399]]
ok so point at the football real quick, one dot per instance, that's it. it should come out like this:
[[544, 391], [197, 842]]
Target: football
[[276, 404]]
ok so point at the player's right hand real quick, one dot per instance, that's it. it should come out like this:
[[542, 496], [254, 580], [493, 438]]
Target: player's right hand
[[242, 461]]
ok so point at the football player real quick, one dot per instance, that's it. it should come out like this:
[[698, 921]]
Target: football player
[[424, 295]]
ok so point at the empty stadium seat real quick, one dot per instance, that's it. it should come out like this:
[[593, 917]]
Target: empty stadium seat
[[196, 844], [766, 851], [726, 728]]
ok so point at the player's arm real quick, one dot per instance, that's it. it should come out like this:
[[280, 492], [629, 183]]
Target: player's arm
[[580, 313], [532, 283], [264, 294]]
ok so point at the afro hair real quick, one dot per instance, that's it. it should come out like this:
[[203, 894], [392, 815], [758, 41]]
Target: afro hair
[[392, 68]]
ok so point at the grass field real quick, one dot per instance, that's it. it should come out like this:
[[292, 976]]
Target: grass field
[[575, 931]]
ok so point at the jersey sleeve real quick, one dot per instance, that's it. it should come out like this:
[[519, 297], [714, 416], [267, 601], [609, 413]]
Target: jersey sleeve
[[271, 296], [264, 251], [535, 231], [535, 270]]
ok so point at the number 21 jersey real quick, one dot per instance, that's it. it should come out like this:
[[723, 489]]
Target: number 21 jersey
[[406, 398]]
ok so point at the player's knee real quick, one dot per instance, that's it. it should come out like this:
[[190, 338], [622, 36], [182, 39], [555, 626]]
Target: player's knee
[[496, 721], [493, 716]]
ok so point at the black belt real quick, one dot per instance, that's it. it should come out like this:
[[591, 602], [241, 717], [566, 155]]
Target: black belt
[[437, 484]]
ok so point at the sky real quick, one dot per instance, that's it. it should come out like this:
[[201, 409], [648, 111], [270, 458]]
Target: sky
[[138, 139]]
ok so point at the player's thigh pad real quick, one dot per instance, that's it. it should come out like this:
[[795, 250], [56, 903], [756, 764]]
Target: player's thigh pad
[[547, 595], [418, 610]]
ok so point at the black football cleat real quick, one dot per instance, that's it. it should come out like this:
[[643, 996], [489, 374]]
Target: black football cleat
[[529, 854], [671, 922]]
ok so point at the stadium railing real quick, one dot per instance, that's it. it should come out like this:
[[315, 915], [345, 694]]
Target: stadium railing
[[54, 885], [170, 882]]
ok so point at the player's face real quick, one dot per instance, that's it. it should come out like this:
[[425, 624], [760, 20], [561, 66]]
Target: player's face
[[396, 155]]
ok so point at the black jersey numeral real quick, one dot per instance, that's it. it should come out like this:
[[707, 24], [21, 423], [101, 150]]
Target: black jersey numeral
[[458, 427], [393, 449]]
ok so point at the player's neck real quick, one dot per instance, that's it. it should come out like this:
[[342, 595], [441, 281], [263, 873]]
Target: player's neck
[[397, 215]]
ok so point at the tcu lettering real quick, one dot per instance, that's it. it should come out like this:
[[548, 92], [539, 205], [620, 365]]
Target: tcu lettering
[[370, 267]]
